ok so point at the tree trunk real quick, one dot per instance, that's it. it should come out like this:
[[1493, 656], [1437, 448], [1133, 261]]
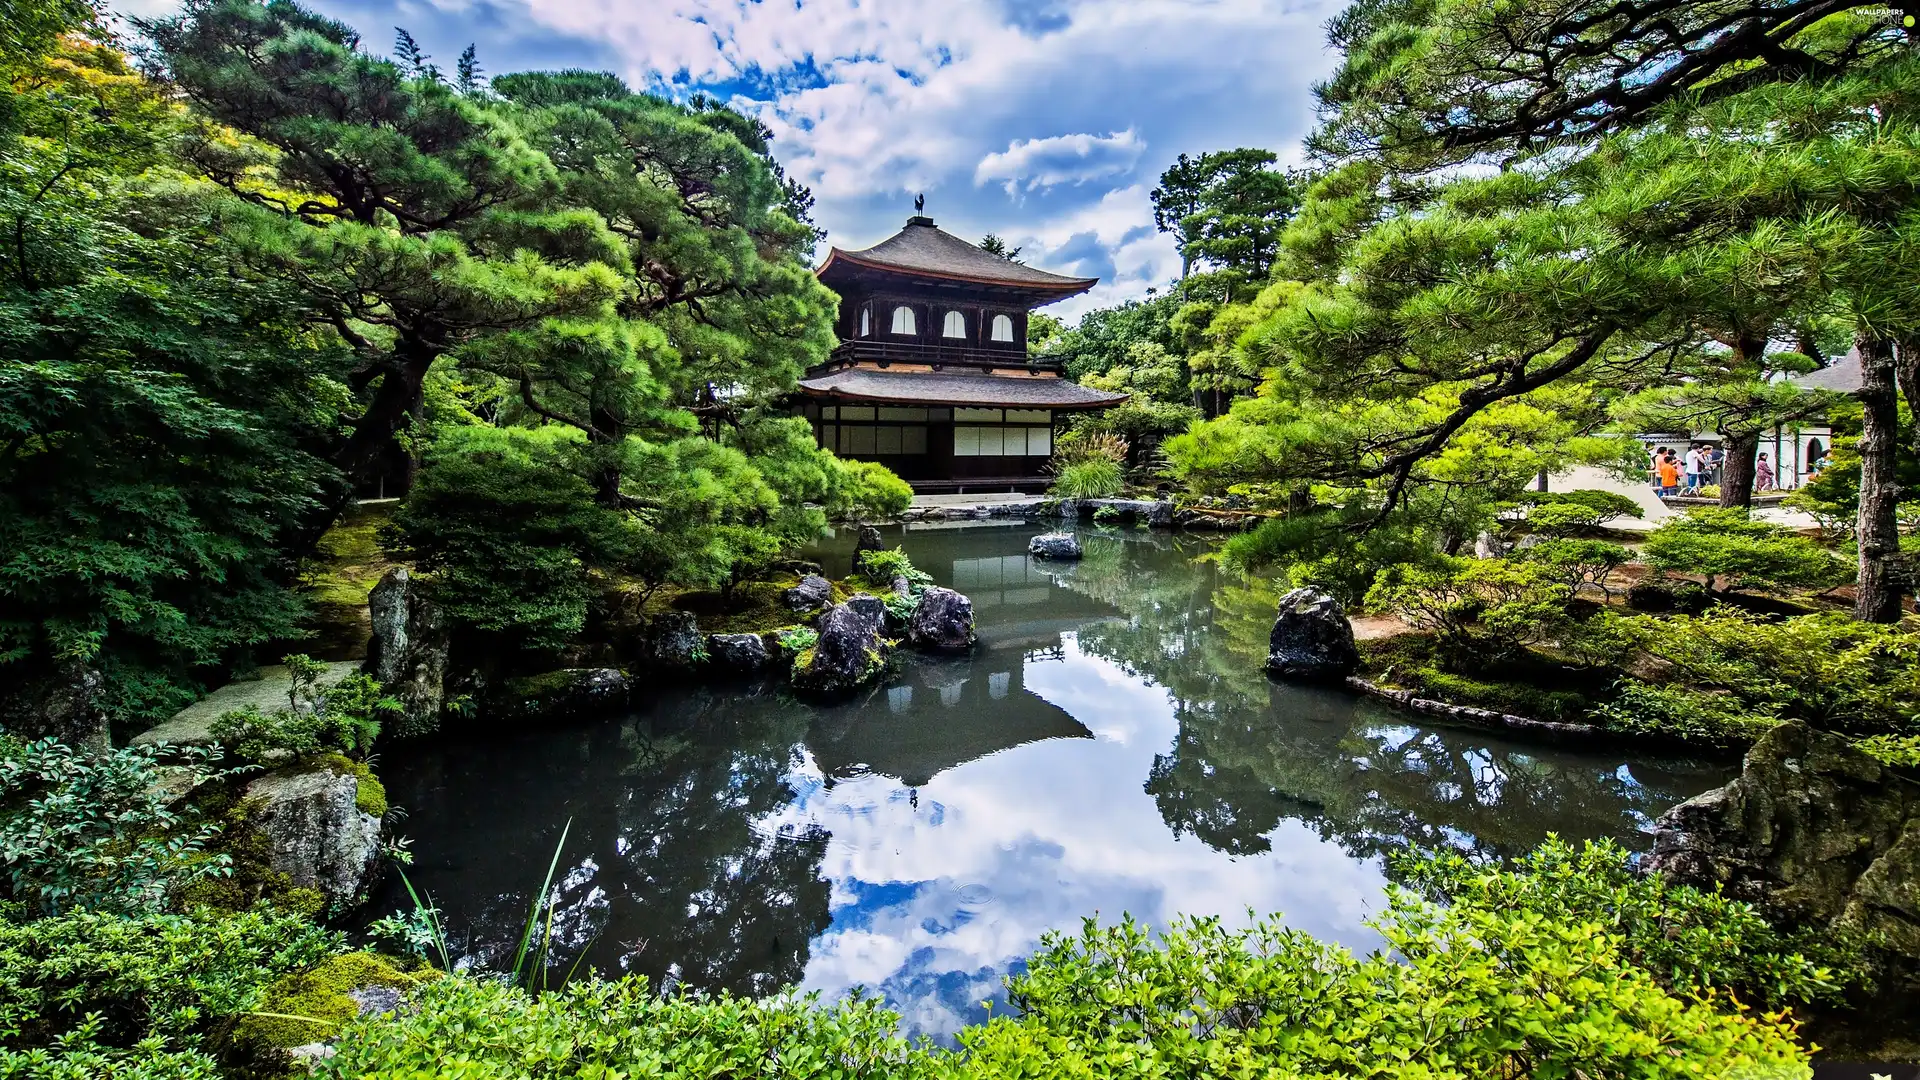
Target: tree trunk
[[1877, 590], [1736, 473], [1906, 373], [391, 408]]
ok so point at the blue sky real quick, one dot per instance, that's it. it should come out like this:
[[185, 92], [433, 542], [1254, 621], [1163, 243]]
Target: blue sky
[[1046, 121]]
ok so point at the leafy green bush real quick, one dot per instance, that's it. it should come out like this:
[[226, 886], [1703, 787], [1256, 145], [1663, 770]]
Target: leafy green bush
[[346, 719], [1898, 750], [1830, 670], [1578, 564], [1693, 942], [507, 527], [1479, 610], [484, 1030], [1730, 545], [1717, 719], [867, 489], [92, 832], [1327, 550], [1504, 979], [91, 994], [1467, 990], [1093, 478], [1563, 519], [1107, 515], [1606, 505], [879, 568]]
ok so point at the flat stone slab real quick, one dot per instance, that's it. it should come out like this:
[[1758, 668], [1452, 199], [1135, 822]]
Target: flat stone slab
[[190, 726]]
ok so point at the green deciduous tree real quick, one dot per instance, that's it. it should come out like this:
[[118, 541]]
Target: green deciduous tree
[[157, 411]]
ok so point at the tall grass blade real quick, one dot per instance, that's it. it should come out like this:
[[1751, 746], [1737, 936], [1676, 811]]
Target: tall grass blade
[[541, 899]]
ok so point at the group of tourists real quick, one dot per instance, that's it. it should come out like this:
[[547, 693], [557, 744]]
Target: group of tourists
[[1698, 467], [1673, 473]]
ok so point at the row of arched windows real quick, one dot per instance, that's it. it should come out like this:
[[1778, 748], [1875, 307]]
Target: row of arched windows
[[953, 326]]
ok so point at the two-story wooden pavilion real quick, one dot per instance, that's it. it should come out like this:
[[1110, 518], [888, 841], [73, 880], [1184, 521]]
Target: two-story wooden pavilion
[[932, 376]]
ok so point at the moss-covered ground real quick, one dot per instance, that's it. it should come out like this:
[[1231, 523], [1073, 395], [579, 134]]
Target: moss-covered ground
[[313, 1005], [348, 562], [1533, 684]]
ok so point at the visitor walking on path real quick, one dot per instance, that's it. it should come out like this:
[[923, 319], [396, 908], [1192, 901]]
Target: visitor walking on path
[[1715, 462], [1763, 474]]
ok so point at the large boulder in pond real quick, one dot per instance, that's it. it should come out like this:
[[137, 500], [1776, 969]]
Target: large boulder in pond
[[850, 653], [942, 622], [1064, 547], [1312, 641], [1812, 830], [408, 650], [739, 654], [316, 830], [813, 593], [867, 540]]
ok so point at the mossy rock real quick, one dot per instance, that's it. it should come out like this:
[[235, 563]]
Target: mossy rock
[[314, 1005], [370, 797]]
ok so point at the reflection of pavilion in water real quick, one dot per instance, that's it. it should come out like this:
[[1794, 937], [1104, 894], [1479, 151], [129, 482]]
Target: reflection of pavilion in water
[[945, 712]]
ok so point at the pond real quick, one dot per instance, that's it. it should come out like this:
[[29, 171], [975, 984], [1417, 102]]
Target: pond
[[1111, 747]]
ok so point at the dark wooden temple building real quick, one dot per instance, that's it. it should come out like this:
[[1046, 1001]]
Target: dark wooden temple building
[[932, 377]]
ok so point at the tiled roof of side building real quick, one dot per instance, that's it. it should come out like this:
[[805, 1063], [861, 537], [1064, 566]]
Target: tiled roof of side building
[[939, 388], [1843, 376], [923, 248]]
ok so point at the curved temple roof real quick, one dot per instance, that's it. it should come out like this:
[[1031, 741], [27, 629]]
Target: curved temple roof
[[924, 250], [940, 388]]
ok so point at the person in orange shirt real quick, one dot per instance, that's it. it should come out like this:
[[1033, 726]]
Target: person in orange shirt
[[1669, 470]]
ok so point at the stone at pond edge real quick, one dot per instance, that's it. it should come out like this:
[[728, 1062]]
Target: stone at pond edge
[[739, 654], [408, 650], [942, 622], [849, 653], [319, 838], [812, 593], [1814, 832], [674, 641], [1311, 639], [1061, 546], [868, 540], [568, 690]]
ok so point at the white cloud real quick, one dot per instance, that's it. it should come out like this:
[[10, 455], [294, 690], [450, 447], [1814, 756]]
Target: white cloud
[[1060, 159], [871, 101]]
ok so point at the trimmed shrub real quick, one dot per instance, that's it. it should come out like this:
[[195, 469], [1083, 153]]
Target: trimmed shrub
[[1680, 713], [1727, 546]]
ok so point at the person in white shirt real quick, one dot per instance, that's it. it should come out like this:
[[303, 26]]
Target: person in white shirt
[[1696, 464]]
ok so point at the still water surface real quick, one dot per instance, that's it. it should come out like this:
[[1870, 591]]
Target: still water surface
[[1112, 746]]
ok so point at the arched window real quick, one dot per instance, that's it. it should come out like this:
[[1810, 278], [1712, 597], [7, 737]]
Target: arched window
[[903, 320], [866, 322], [954, 326], [1002, 328]]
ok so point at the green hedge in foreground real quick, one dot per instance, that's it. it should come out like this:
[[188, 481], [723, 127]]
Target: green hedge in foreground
[[1488, 985]]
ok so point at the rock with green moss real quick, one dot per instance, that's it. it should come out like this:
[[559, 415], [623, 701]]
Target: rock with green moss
[[408, 650], [566, 691], [312, 1006], [849, 653], [319, 833], [1814, 832]]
